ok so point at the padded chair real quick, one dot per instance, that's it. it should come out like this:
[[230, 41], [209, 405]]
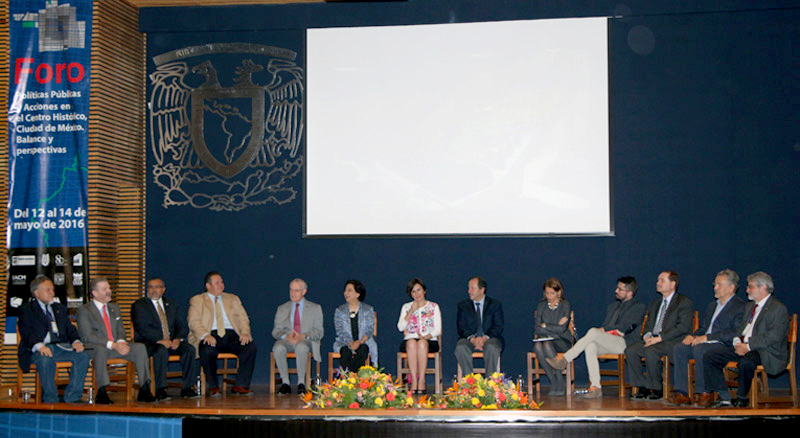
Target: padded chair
[[476, 355], [532, 363], [273, 370], [402, 366], [225, 371], [120, 373], [665, 364], [173, 358], [62, 375], [619, 373], [335, 355], [759, 389]]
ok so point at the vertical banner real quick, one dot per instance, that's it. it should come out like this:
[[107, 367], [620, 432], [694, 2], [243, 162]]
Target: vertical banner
[[48, 147]]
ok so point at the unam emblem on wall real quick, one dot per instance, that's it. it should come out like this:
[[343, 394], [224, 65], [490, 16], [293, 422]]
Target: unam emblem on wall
[[226, 148]]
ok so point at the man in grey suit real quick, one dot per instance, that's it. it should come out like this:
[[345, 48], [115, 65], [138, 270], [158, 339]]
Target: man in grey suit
[[669, 321], [102, 331], [760, 340], [717, 329], [297, 329]]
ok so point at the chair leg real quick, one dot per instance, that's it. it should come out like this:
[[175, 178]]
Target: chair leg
[[793, 385], [621, 371], [272, 373], [129, 381], [152, 376], [437, 363], [38, 388]]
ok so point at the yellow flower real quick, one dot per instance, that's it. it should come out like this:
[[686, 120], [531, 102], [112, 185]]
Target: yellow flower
[[410, 400], [514, 396], [379, 401], [481, 393], [475, 401], [491, 406], [497, 375]]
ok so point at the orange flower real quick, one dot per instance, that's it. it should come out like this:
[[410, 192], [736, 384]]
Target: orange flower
[[308, 396], [363, 385]]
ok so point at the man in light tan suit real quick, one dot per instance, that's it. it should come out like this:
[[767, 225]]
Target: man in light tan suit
[[218, 323]]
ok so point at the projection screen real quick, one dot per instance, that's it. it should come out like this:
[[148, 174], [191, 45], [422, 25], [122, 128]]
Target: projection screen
[[488, 129]]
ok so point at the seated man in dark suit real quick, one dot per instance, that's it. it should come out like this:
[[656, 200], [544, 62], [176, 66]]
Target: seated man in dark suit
[[669, 321], [760, 340], [480, 328], [47, 336], [156, 324], [718, 327]]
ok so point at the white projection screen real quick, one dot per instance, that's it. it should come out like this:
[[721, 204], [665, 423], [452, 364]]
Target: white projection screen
[[485, 129]]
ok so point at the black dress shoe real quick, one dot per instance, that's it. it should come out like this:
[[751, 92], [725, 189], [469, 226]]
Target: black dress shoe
[[301, 389], [654, 395], [721, 404], [144, 394], [161, 394], [102, 397], [189, 393], [285, 389], [641, 395], [741, 402]]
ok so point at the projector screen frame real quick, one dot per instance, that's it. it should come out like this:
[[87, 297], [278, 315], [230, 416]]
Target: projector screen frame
[[611, 221]]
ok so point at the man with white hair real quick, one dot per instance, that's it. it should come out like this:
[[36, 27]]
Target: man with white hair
[[761, 340]]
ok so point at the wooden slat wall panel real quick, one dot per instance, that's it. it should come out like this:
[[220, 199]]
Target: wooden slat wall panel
[[116, 159], [8, 353], [116, 152]]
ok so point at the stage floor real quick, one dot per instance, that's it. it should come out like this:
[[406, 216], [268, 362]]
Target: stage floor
[[264, 404]]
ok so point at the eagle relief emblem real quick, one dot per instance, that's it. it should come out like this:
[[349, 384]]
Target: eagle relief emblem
[[221, 142]]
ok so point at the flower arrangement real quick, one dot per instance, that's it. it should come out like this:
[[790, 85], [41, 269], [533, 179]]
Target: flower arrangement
[[477, 392], [368, 388]]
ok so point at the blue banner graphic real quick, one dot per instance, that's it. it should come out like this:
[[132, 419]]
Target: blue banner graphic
[[48, 145]]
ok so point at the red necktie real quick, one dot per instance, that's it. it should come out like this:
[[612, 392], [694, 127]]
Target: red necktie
[[753, 314], [108, 324], [297, 318]]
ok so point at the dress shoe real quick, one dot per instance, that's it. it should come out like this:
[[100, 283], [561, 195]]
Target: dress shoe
[[240, 390], [301, 389], [161, 394], [705, 399], [679, 399], [189, 393], [593, 392], [741, 402], [213, 392], [721, 404], [285, 389], [558, 363], [641, 395], [102, 397], [145, 396], [654, 396]]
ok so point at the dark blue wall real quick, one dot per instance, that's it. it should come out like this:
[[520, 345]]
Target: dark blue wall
[[705, 156]]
